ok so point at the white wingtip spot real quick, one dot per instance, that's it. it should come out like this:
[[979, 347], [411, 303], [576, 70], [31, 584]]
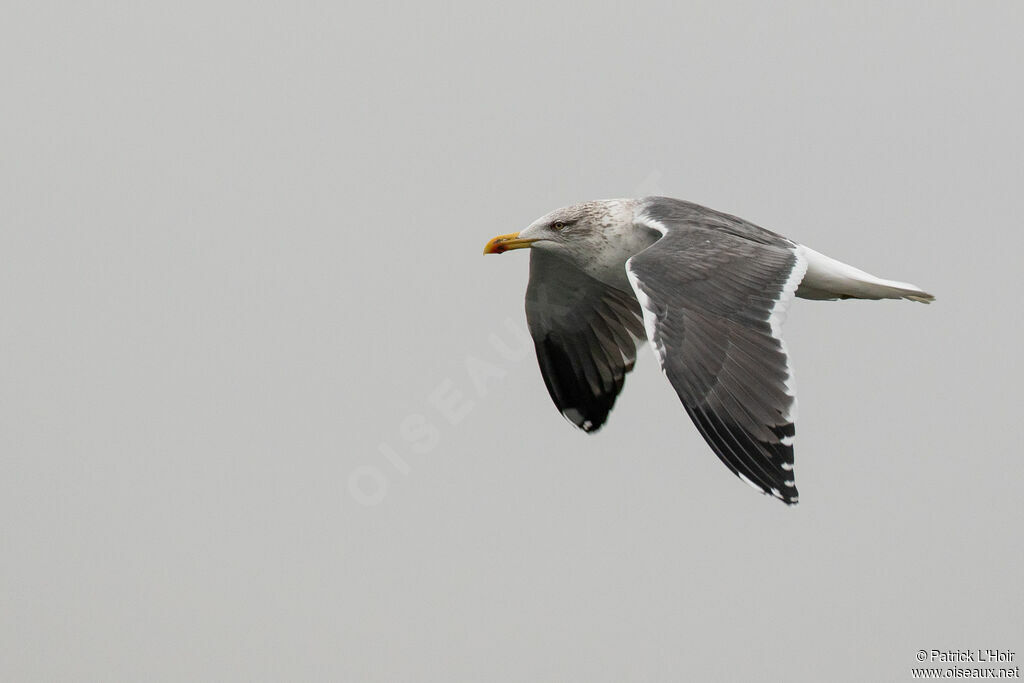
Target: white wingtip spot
[[750, 483], [786, 466]]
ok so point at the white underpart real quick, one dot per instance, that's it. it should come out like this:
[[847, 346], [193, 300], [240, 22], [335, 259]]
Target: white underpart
[[776, 320], [650, 320], [827, 276]]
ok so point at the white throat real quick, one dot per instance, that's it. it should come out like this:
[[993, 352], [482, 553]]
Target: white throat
[[618, 238]]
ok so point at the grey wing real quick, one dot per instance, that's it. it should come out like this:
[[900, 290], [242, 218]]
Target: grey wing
[[585, 333], [714, 300]]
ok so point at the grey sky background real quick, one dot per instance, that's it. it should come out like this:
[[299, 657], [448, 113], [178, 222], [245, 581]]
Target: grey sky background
[[240, 250]]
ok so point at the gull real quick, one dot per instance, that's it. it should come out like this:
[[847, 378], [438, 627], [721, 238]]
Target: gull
[[708, 290]]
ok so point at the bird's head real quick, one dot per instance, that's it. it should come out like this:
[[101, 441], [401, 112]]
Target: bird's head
[[568, 229], [597, 237]]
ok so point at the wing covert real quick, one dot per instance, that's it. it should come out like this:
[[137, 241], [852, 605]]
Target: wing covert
[[714, 290]]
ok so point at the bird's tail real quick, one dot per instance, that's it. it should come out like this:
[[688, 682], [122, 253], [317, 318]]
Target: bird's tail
[[827, 278]]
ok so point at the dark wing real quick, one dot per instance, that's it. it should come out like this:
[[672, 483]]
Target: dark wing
[[586, 334], [714, 290]]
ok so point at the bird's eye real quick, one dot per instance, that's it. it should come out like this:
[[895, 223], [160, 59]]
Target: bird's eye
[[558, 225]]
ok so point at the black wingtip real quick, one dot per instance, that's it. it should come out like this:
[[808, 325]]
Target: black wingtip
[[581, 421], [765, 467], [792, 497], [570, 391]]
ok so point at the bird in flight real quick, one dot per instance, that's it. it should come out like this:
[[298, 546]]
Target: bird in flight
[[708, 290]]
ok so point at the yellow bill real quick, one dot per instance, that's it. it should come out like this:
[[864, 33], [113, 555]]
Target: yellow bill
[[503, 243]]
